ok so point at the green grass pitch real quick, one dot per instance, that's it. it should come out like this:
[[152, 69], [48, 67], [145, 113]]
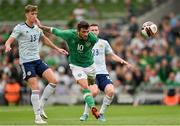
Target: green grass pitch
[[116, 115]]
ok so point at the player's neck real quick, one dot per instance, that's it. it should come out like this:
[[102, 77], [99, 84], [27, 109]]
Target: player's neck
[[30, 24], [80, 37]]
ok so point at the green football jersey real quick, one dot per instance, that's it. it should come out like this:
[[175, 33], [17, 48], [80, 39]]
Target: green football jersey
[[80, 51]]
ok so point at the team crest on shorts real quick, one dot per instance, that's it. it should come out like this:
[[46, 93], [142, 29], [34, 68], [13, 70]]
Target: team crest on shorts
[[29, 73], [79, 75]]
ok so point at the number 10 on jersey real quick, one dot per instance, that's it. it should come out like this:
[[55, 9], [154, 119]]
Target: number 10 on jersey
[[80, 47]]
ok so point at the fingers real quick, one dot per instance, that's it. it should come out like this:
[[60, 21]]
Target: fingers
[[122, 62], [38, 22], [67, 53], [7, 49], [63, 51], [135, 68], [130, 66]]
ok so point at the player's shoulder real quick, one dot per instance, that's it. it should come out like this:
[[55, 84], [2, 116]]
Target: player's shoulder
[[103, 41], [73, 31], [20, 25], [37, 28]]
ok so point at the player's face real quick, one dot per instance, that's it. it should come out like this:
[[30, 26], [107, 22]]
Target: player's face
[[31, 16], [94, 29], [83, 33]]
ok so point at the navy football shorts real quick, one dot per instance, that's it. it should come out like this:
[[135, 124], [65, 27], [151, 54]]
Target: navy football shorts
[[102, 80], [33, 68]]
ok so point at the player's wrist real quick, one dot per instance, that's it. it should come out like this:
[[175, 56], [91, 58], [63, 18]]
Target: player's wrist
[[7, 45]]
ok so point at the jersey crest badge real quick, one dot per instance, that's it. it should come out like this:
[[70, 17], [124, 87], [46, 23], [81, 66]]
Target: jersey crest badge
[[100, 46], [88, 44]]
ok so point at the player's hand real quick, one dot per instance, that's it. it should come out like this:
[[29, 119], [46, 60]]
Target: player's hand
[[129, 66], [132, 67], [62, 51], [38, 22], [7, 48]]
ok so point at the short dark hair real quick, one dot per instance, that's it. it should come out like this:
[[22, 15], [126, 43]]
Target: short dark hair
[[82, 24], [94, 25], [30, 8]]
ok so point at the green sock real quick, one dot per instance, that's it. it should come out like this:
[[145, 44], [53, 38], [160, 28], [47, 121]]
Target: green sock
[[88, 98]]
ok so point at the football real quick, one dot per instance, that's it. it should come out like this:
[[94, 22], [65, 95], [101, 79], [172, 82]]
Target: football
[[149, 29]]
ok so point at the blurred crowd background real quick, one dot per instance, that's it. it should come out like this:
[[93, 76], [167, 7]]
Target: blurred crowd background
[[157, 77]]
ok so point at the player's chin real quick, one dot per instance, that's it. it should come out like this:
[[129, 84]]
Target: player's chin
[[85, 38]]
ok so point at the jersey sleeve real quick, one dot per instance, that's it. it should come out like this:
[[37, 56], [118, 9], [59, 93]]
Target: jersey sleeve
[[93, 37], [16, 32], [108, 49], [64, 34], [41, 32]]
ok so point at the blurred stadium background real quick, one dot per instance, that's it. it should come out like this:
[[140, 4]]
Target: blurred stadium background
[[157, 79]]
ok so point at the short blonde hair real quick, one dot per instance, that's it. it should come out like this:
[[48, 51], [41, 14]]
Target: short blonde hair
[[30, 8]]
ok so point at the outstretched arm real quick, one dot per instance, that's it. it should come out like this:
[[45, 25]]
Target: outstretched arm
[[120, 60], [43, 27], [64, 34], [8, 44], [48, 42]]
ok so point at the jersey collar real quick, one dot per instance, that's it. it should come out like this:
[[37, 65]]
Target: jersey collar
[[28, 25]]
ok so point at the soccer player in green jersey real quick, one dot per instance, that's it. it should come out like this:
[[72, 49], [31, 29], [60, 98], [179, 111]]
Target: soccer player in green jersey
[[80, 43], [103, 80]]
